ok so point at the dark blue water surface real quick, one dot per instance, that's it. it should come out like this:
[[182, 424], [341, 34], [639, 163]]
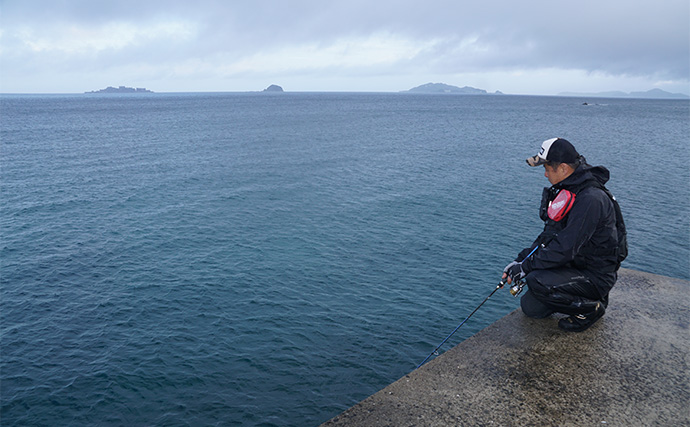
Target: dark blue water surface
[[255, 259]]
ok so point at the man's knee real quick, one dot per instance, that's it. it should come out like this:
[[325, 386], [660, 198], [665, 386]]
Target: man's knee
[[536, 283], [559, 290], [534, 308]]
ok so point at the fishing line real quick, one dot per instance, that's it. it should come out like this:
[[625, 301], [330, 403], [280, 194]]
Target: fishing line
[[499, 286], [515, 291]]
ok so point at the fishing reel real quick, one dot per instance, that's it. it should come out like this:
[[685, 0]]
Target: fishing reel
[[516, 287]]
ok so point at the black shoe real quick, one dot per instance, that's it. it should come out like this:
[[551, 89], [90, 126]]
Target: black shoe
[[581, 322]]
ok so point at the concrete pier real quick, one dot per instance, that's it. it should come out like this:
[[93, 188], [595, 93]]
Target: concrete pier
[[629, 369]]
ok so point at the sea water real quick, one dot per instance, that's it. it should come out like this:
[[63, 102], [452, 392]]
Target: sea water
[[272, 259]]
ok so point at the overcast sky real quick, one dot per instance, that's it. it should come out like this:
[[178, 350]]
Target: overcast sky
[[519, 47]]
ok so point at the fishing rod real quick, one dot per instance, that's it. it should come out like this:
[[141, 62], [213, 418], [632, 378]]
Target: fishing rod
[[514, 290], [519, 284], [435, 352]]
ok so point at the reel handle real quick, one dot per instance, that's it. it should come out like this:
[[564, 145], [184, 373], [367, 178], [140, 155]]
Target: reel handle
[[516, 289]]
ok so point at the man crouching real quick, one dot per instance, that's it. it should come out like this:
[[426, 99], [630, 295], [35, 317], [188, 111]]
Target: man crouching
[[577, 255]]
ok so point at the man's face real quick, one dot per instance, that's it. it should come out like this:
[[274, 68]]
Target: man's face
[[557, 173]]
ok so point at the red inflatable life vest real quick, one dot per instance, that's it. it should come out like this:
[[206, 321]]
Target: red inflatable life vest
[[560, 206]]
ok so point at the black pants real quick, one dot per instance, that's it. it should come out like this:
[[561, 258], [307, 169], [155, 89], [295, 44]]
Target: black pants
[[562, 290]]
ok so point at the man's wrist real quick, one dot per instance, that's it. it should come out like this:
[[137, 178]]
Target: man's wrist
[[526, 266]]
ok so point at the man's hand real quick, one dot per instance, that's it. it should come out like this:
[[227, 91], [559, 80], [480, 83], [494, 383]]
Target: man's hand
[[505, 272], [513, 272]]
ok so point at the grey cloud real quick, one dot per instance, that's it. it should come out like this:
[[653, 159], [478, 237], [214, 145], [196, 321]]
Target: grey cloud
[[608, 36]]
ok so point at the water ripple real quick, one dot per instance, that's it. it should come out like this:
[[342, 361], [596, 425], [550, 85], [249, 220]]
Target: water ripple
[[216, 259]]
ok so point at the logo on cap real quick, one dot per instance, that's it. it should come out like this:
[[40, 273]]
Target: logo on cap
[[554, 150]]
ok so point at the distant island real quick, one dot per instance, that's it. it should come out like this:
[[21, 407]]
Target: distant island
[[273, 88], [122, 89], [650, 94], [444, 88]]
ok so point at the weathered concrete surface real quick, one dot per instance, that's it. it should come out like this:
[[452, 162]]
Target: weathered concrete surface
[[629, 369]]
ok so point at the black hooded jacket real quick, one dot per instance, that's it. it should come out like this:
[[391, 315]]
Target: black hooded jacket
[[586, 239]]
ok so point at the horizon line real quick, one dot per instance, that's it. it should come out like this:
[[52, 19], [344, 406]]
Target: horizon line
[[605, 94]]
